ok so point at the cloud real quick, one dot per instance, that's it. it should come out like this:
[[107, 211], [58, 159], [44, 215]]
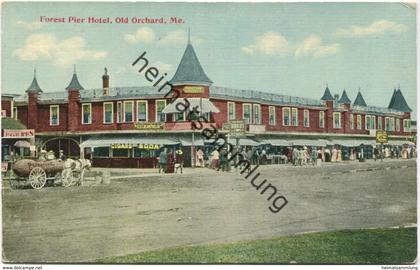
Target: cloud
[[313, 46], [144, 35], [61, 53], [379, 27], [29, 25], [178, 37], [270, 43]]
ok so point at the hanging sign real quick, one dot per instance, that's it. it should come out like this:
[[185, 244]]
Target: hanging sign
[[381, 136]]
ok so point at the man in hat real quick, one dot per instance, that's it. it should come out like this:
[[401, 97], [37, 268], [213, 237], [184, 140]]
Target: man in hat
[[179, 160], [162, 161]]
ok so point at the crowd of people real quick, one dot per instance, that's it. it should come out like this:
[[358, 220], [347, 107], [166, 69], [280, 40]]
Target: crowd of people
[[298, 156], [168, 163]]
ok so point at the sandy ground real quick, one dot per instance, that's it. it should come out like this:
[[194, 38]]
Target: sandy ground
[[147, 212]]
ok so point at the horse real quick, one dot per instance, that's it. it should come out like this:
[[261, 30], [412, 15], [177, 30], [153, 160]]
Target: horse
[[72, 167]]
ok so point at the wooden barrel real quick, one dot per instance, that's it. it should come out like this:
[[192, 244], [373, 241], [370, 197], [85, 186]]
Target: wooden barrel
[[23, 167]]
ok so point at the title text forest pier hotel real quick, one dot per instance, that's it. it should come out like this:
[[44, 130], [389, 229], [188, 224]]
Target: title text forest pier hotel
[[127, 126]]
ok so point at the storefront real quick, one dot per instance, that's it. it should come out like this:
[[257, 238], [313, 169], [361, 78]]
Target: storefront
[[127, 150], [17, 142]]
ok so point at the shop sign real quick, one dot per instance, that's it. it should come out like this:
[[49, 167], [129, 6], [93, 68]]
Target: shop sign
[[4, 166], [149, 146], [121, 146], [236, 128], [193, 89], [18, 133], [148, 126], [381, 136]]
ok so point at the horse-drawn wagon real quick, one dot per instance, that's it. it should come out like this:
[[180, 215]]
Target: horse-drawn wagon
[[38, 172]]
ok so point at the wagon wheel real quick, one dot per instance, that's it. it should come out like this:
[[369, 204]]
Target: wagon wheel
[[37, 178], [67, 178]]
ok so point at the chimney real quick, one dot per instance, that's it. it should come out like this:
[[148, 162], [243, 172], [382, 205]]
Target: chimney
[[105, 83], [336, 97]]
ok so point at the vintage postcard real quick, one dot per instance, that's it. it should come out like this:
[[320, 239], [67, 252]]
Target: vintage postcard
[[208, 133]]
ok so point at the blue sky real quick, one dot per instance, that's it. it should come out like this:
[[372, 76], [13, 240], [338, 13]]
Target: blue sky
[[292, 49]]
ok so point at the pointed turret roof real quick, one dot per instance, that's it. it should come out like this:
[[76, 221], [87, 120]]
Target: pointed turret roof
[[344, 98], [398, 102], [34, 87], [359, 101], [74, 83], [327, 94], [391, 102], [189, 69]]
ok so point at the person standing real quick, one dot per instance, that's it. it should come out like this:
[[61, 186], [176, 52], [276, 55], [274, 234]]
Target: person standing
[[179, 160], [215, 159], [162, 161], [170, 166], [314, 156], [223, 159], [200, 158]]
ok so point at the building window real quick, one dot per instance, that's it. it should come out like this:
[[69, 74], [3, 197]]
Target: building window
[[231, 111], [306, 118], [119, 112], [321, 119], [128, 111], [295, 121], [389, 123], [351, 121], [407, 125], [337, 120], [87, 113], [367, 122], [286, 116], [15, 113], [257, 114], [108, 112], [380, 126], [120, 152], [397, 124], [178, 117], [272, 115], [359, 121], [373, 122], [54, 115], [160, 105], [101, 152], [246, 113], [142, 111]]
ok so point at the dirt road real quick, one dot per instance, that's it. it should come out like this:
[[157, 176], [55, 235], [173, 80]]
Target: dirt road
[[80, 224]]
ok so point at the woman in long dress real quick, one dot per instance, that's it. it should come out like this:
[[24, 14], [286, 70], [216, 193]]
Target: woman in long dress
[[170, 166]]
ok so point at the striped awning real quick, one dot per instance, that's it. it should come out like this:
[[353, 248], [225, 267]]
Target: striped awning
[[276, 142], [242, 142], [352, 143], [204, 105], [106, 141], [308, 142], [187, 141]]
